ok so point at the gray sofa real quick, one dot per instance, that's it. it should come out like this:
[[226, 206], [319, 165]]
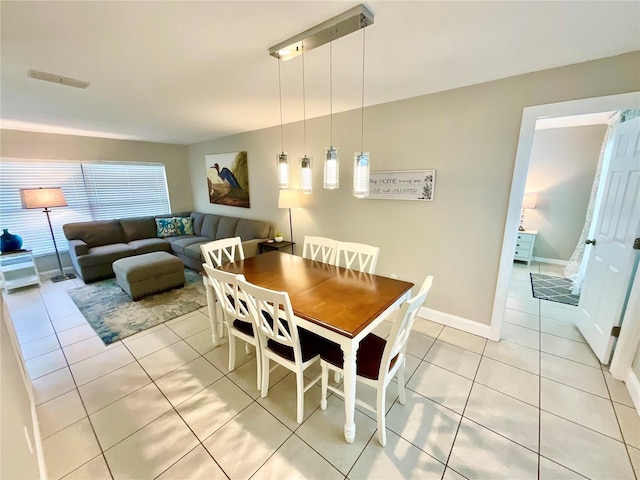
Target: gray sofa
[[94, 246]]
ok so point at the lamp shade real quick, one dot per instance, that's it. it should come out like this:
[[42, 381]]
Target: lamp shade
[[42, 197], [529, 201], [289, 199]]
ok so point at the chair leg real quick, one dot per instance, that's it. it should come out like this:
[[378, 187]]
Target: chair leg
[[300, 399], [401, 382], [247, 348], [232, 352], [336, 376], [380, 410], [264, 388], [324, 381], [259, 367]]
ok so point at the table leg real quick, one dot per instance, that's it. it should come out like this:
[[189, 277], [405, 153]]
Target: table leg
[[349, 385], [213, 317]]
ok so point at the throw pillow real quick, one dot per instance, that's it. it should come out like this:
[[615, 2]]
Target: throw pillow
[[184, 225], [166, 227]]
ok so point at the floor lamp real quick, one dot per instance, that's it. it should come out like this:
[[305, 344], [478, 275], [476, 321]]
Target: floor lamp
[[289, 199], [47, 198]]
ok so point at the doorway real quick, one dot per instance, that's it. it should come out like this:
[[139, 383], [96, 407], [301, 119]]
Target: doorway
[[527, 130]]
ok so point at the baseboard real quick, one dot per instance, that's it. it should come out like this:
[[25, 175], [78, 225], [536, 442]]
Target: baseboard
[[460, 323], [553, 261], [633, 385]]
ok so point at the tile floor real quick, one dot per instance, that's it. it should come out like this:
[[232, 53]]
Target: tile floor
[[161, 404]]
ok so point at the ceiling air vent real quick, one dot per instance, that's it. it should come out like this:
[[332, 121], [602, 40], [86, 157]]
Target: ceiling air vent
[[52, 77]]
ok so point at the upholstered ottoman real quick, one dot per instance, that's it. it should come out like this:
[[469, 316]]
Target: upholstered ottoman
[[142, 275]]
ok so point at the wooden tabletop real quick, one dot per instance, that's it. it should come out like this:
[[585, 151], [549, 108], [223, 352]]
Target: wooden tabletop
[[337, 298]]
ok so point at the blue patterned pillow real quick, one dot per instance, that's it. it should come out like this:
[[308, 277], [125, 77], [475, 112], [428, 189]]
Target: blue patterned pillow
[[174, 226], [166, 227], [184, 225]]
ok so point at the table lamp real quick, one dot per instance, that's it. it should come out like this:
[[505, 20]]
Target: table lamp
[[528, 203]]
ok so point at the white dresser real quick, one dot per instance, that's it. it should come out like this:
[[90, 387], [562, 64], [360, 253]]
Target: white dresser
[[524, 246]]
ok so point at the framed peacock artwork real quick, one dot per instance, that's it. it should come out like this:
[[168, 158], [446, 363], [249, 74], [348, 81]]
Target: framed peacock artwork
[[228, 179]]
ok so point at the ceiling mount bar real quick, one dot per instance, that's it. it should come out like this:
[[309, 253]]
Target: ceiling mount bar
[[347, 22]]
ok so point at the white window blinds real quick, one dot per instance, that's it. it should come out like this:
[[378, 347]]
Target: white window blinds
[[94, 191]]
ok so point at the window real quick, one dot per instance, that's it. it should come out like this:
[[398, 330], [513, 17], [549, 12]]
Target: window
[[93, 190]]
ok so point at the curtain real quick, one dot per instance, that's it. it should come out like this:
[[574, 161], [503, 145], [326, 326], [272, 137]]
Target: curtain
[[575, 270]]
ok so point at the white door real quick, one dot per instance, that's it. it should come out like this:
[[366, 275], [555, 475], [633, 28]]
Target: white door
[[610, 263]]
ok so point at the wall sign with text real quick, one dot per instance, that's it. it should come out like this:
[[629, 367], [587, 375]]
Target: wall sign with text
[[402, 185]]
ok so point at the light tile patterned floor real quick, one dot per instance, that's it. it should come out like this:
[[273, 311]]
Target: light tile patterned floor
[[161, 404]]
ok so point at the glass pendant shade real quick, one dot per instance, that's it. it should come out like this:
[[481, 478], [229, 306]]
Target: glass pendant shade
[[306, 175], [331, 169], [361, 175], [283, 170]]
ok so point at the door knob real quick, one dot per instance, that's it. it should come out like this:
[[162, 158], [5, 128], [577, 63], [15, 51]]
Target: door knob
[[591, 242]]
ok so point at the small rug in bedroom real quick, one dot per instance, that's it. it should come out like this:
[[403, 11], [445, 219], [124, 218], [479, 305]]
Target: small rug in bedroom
[[114, 316], [555, 289]]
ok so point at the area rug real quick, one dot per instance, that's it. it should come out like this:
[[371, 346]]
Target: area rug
[[114, 316], [554, 289]]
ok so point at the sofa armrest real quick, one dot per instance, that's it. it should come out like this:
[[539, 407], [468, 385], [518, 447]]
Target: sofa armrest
[[250, 247], [78, 247]]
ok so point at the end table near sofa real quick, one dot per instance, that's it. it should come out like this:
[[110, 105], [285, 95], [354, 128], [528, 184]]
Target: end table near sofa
[[267, 246], [18, 269]]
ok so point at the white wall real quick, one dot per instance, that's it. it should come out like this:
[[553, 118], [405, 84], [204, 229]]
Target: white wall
[[561, 172], [17, 460], [469, 135]]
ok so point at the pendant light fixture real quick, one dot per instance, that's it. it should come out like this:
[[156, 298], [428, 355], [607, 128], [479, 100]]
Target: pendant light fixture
[[306, 163], [331, 161], [361, 164], [282, 159], [354, 19]]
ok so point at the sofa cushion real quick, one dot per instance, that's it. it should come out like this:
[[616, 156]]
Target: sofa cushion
[[210, 226], [148, 245], [138, 228], [95, 234], [198, 218], [226, 227], [105, 254], [250, 229], [184, 241], [193, 251]]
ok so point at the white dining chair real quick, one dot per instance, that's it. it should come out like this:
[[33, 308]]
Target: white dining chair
[[235, 314], [222, 251], [215, 254], [357, 256], [321, 249], [378, 360], [282, 341]]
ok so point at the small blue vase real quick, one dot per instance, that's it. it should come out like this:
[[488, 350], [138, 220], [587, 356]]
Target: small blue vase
[[10, 242]]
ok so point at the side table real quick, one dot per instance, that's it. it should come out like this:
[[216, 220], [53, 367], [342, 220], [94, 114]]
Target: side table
[[18, 269], [270, 246]]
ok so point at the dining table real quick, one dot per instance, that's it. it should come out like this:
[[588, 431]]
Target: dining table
[[337, 303]]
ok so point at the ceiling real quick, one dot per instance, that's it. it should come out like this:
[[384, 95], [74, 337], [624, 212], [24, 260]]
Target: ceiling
[[184, 72]]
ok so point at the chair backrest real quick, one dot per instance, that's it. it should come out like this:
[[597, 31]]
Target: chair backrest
[[357, 256], [230, 298], [320, 248], [273, 315], [399, 335], [222, 251]]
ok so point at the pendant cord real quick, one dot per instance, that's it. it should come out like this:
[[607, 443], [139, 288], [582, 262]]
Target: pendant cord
[[331, 92], [304, 107], [280, 90], [362, 118]]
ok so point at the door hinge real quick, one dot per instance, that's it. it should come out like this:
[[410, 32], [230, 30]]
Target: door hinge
[[615, 331]]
